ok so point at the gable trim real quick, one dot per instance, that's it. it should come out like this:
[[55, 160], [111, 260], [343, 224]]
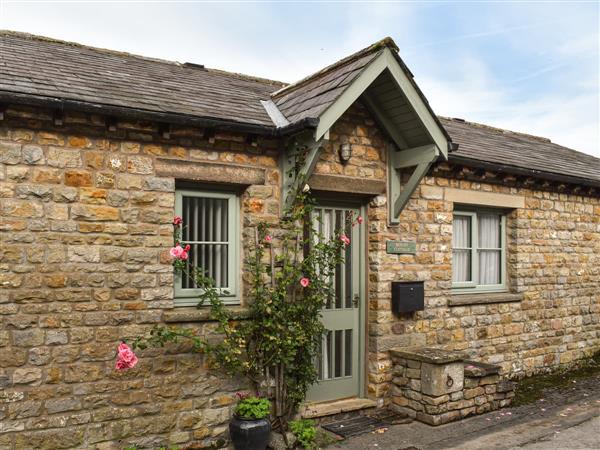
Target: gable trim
[[386, 60]]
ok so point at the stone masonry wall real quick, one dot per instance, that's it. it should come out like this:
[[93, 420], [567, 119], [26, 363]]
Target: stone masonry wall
[[85, 232], [84, 235], [553, 263]]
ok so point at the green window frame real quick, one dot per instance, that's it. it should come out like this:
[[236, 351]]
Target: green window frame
[[474, 250], [193, 234]]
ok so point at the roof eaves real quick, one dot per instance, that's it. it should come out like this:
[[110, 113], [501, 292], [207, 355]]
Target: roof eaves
[[516, 170], [141, 114]]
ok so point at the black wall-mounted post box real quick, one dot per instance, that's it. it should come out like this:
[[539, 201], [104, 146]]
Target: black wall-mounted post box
[[407, 296]]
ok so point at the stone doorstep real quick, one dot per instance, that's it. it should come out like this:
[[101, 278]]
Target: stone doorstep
[[316, 410]]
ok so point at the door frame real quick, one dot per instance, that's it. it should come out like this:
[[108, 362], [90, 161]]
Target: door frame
[[324, 201]]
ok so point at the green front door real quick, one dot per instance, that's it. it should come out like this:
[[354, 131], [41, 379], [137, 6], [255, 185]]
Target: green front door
[[340, 363]]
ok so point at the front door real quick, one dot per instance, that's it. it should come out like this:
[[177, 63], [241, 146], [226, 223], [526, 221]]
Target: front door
[[339, 365]]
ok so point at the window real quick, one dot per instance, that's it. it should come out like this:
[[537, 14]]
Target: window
[[210, 227], [478, 251]]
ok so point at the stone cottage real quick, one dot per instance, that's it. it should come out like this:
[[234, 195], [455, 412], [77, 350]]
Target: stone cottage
[[475, 238]]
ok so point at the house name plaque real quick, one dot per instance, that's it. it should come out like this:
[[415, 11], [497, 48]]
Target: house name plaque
[[401, 247]]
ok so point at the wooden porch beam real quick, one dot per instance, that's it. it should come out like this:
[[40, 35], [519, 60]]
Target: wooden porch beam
[[414, 156], [410, 187], [298, 163]]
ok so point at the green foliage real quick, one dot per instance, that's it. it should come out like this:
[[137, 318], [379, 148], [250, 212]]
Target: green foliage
[[305, 431], [253, 408], [275, 349]]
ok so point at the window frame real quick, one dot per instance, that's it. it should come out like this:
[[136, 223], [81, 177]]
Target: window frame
[[230, 294], [473, 286]]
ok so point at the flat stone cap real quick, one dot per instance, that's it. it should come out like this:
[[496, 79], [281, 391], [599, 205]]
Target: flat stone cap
[[428, 354], [480, 369]]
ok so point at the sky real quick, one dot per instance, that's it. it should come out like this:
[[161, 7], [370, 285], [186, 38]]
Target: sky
[[527, 66]]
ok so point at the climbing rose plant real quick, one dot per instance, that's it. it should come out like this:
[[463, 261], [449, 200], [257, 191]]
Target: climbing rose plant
[[292, 268]]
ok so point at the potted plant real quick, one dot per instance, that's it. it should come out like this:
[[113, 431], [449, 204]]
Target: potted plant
[[250, 427]]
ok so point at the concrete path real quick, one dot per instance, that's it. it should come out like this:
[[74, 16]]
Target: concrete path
[[568, 418]]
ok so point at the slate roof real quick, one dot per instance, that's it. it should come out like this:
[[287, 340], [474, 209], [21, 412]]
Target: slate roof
[[38, 68], [311, 97], [485, 144], [50, 68]]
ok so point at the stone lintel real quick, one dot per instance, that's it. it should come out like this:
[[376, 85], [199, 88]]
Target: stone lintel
[[428, 355], [479, 369], [348, 185], [210, 172]]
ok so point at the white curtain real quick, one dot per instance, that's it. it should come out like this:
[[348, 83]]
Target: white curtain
[[489, 245], [461, 249]]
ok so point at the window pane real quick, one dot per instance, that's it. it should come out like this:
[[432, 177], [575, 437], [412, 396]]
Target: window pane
[[489, 231], [461, 266], [461, 232], [461, 249], [212, 259], [489, 267], [206, 229], [489, 238]]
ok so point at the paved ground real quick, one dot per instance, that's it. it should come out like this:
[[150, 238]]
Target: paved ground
[[566, 418]]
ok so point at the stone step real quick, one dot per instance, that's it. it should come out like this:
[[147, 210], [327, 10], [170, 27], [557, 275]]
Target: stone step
[[317, 410]]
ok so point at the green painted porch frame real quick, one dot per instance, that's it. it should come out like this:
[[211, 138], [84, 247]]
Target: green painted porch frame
[[422, 157]]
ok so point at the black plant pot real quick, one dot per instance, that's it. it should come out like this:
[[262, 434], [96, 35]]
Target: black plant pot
[[249, 434]]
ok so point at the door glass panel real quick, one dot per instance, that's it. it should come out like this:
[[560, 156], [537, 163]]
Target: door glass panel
[[339, 354], [348, 352], [328, 356], [348, 261]]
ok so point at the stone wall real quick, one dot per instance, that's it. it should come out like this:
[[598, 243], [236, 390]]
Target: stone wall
[[439, 386], [549, 317], [85, 231], [85, 211]]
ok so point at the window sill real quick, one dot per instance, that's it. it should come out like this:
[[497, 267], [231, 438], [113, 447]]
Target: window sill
[[483, 298], [192, 314]]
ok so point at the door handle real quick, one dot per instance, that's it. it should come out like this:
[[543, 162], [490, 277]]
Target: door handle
[[355, 300]]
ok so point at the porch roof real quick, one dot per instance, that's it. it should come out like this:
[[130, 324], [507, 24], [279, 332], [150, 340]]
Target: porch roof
[[41, 71]]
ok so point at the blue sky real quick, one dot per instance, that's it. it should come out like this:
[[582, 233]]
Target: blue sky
[[527, 66]]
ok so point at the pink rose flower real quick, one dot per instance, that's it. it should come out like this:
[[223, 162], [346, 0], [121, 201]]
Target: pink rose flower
[[176, 251], [359, 220], [126, 359], [345, 239], [304, 282], [268, 239], [184, 256]]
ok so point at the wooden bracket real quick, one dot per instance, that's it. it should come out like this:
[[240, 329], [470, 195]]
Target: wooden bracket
[[421, 158], [298, 163], [410, 186], [164, 130], [111, 123], [58, 118]]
